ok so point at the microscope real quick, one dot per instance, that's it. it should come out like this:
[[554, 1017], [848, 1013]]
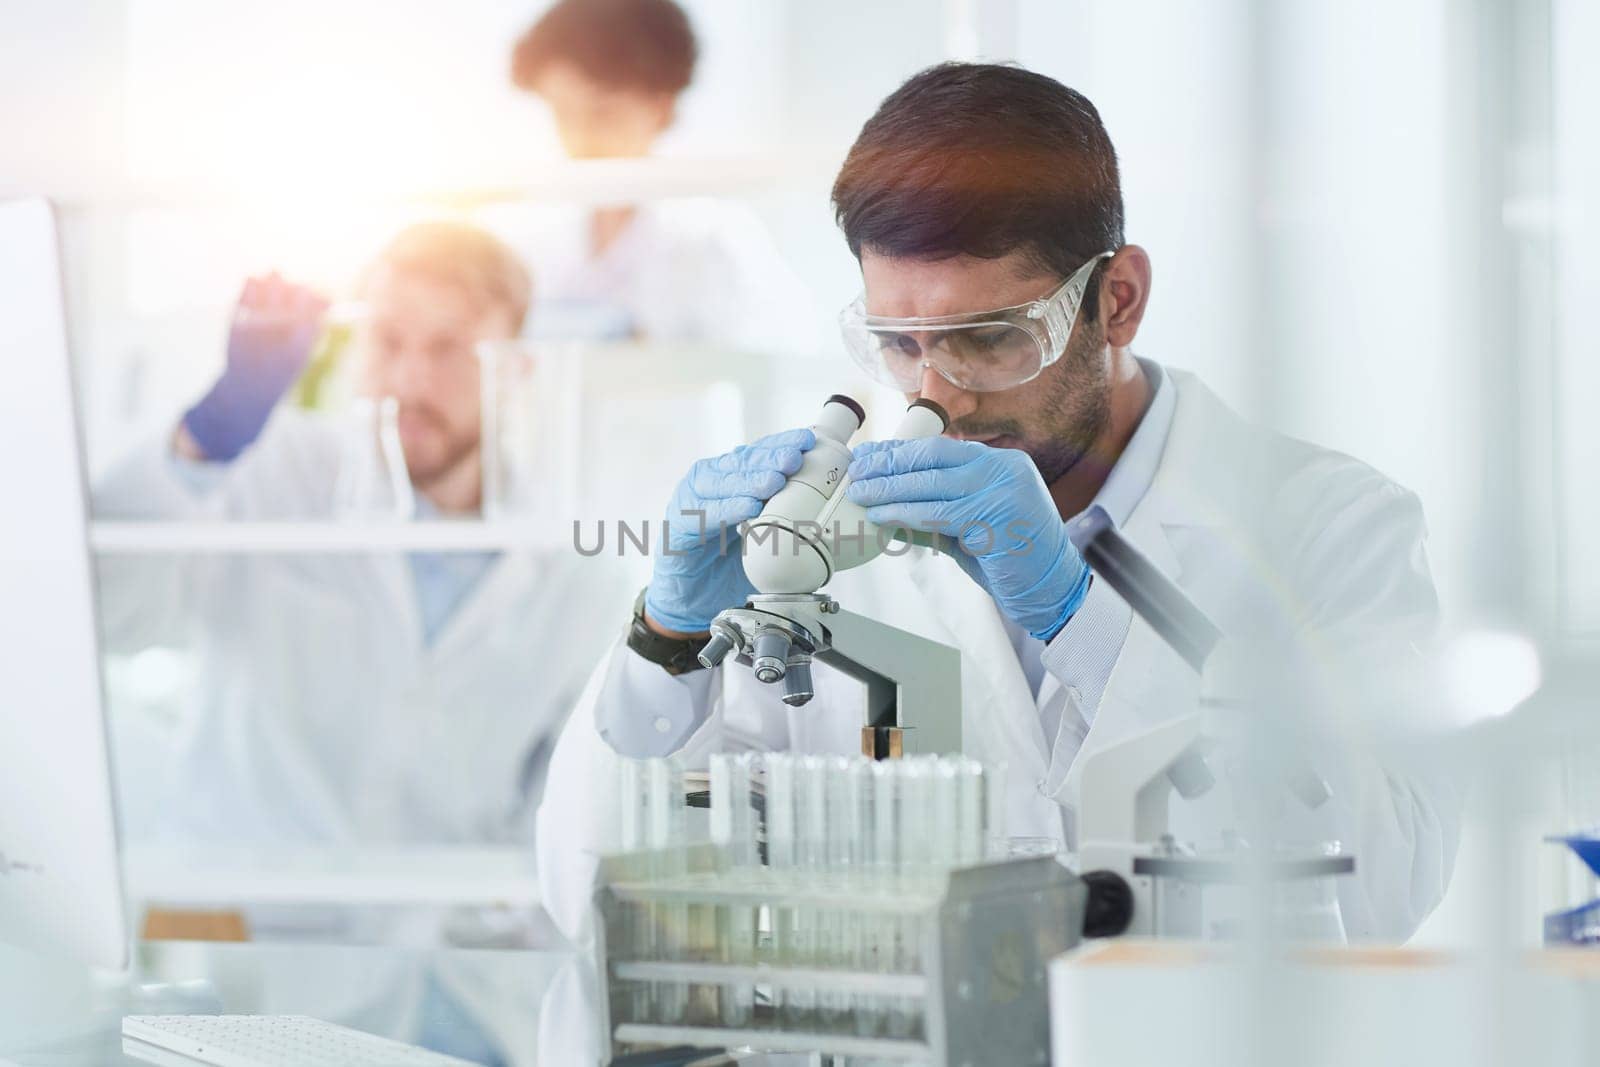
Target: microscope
[[806, 533], [1127, 787], [809, 531], [784, 873]]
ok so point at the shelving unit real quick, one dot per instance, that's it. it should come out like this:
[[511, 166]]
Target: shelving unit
[[277, 538], [586, 181]]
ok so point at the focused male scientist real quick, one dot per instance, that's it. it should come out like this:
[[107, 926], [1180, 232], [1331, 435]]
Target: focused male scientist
[[380, 697], [982, 201]]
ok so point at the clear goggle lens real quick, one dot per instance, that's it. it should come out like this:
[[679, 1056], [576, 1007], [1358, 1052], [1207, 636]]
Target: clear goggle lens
[[979, 357]]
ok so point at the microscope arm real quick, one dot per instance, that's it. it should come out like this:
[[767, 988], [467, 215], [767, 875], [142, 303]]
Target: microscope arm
[[923, 712], [912, 685], [1153, 596], [1179, 622]]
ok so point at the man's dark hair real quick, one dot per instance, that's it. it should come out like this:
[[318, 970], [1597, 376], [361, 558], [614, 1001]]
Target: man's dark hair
[[982, 160], [633, 44]]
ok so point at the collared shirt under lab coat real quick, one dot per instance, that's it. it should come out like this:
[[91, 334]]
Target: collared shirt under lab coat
[[325, 716], [1251, 524]]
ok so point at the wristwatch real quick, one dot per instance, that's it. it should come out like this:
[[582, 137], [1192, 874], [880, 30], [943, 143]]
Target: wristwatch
[[675, 655]]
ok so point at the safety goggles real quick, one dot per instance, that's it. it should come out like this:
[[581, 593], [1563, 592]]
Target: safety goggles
[[982, 352]]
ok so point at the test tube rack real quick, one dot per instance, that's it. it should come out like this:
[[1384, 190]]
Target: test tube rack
[[687, 957]]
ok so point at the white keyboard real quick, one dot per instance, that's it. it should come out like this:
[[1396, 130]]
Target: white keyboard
[[271, 1041]]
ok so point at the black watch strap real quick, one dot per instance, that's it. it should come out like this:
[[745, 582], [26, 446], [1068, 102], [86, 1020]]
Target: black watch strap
[[675, 655]]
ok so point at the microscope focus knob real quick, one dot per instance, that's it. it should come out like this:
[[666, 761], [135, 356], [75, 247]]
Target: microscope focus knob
[[797, 689], [717, 648], [770, 655], [1108, 911]]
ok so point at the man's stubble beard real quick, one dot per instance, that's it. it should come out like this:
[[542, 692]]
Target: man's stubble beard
[[1075, 409], [461, 450]]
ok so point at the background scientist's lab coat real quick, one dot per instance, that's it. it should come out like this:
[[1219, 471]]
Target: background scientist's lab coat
[[1251, 524], [324, 715], [683, 269]]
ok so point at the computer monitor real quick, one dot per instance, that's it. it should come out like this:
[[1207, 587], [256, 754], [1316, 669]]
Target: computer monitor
[[60, 884]]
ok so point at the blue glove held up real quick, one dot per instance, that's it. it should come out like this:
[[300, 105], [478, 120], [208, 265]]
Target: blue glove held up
[[993, 502], [275, 327], [700, 570]]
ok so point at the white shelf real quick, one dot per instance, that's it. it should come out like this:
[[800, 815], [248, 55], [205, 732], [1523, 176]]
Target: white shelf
[[228, 875], [588, 181], [276, 538]]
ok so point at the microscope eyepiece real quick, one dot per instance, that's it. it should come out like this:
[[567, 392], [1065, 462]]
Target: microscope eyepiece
[[935, 407], [849, 402]]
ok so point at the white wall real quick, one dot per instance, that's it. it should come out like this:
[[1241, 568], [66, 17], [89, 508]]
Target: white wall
[[60, 99], [1575, 430], [1171, 82]]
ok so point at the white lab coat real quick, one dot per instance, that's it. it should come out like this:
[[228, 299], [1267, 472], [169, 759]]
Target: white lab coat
[[684, 269], [1251, 524], [323, 715]]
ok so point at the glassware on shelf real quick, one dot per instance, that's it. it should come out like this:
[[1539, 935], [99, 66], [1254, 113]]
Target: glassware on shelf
[[373, 482], [510, 432]]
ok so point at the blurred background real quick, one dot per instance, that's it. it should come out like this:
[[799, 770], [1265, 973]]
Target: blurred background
[[1372, 225]]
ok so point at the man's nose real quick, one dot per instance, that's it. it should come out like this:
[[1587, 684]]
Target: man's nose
[[957, 402], [408, 374]]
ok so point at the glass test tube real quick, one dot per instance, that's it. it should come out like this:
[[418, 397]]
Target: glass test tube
[[970, 829], [849, 788], [748, 855], [811, 923], [630, 804], [994, 811], [878, 935], [663, 820], [914, 831], [946, 830], [637, 921], [781, 859], [733, 827]]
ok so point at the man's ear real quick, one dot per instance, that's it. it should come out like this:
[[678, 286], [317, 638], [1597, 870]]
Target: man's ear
[[1124, 294], [666, 108]]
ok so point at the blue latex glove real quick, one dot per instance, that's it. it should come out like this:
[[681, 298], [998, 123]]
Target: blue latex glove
[[993, 502], [275, 327], [701, 570]]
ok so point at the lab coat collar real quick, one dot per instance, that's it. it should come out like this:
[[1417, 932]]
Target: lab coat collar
[[506, 580], [1207, 475], [1135, 470], [1210, 470]]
